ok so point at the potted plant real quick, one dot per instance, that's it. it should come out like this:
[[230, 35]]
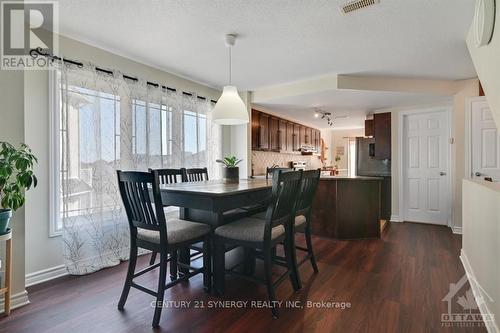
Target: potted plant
[[230, 171], [16, 176]]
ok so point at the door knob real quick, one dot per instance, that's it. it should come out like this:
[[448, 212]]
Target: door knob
[[477, 174], [442, 173]]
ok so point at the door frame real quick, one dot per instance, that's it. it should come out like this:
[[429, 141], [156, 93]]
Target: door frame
[[447, 108], [468, 133]]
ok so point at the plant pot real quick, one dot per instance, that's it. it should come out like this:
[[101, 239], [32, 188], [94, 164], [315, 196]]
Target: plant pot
[[231, 175], [5, 215]]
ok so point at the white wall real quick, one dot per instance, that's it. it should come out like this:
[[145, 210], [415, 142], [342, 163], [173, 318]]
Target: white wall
[[43, 252], [481, 239], [12, 130], [487, 66]]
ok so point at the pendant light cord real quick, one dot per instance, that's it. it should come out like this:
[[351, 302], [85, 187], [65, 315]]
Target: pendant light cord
[[230, 65]]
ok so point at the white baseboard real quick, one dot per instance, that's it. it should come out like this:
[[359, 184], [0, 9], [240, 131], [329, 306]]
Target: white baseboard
[[456, 230], [491, 326], [16, 300], [45, 275], [396, 218]]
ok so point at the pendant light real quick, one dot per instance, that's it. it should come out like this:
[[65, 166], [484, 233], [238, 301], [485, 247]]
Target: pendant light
[[230, 109]]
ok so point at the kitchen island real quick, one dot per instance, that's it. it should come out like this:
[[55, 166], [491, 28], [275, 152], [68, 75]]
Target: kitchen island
[[348, 207]]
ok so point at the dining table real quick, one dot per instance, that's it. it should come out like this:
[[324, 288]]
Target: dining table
[[211, 201]]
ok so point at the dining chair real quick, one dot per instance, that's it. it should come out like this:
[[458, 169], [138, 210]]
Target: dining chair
[[308, 186], [262, 236], [169, 176], [271, 171], [195, 174], [150, 230], [302, 221]]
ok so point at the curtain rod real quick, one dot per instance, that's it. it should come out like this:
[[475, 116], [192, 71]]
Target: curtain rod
[[38, 51]]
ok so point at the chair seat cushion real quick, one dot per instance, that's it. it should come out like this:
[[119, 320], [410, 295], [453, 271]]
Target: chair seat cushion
[[300, 220], [248, 229], [178, 231]]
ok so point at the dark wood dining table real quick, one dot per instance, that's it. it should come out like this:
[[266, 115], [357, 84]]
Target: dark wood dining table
[[207, 201], [210, 201]]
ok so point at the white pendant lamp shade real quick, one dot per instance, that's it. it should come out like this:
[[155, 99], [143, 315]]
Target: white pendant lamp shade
[[230, 109]]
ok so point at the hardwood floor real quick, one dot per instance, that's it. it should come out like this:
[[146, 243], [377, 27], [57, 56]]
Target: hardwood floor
[[395, 284]]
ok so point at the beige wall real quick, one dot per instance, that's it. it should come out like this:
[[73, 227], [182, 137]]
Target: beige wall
[[43, 252], [339, 138], [263, 159], [481, 240], [464, 89], [12, 130]]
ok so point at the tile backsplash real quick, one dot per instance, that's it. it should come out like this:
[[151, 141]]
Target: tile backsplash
[[263, 159]]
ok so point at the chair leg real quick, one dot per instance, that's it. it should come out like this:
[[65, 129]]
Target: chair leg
[[219, 270], [153, 258], [250, 261], [310, 251], [268, 268], [185, 258], [173, 265], [161, 289], [130, 273], [291, 260], [207, 265]]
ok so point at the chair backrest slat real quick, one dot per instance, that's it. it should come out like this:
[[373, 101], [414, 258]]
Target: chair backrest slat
[[195, 174], [143, 210], [169, 176], [308, 186]]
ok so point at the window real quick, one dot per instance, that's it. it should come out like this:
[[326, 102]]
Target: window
[[99, 126]]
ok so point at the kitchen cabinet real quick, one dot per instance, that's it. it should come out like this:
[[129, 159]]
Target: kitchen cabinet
[[263, 136], [302, 136], [382, 135], [317, 140], [282, 143], [296, 137], [271, 133], [274, 138], [255, 129], [290, 137], [369, 127], [308, 137]]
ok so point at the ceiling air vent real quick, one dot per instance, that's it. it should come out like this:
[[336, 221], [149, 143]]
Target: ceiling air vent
[[356, 5]]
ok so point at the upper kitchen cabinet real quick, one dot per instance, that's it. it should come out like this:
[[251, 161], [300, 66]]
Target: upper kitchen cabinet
[[271, 133], [382, 135], [296, 137], [260, 130], [282, 137], [369, 127], [309, 136], [255, 129], [274, 135], [290, 137], [302, 135]]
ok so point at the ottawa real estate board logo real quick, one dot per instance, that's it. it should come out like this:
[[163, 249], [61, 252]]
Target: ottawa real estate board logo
[[27, 26]]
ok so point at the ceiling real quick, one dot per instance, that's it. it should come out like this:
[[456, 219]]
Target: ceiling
[[355, 104], [280, 41]]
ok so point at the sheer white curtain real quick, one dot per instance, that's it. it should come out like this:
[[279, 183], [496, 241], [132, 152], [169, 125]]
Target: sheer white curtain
[[104, 123]]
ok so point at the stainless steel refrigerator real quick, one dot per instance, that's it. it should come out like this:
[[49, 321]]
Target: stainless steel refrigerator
[[366, 164]]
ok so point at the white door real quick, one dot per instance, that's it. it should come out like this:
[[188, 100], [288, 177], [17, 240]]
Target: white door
[[485, 142], [425, 167]]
